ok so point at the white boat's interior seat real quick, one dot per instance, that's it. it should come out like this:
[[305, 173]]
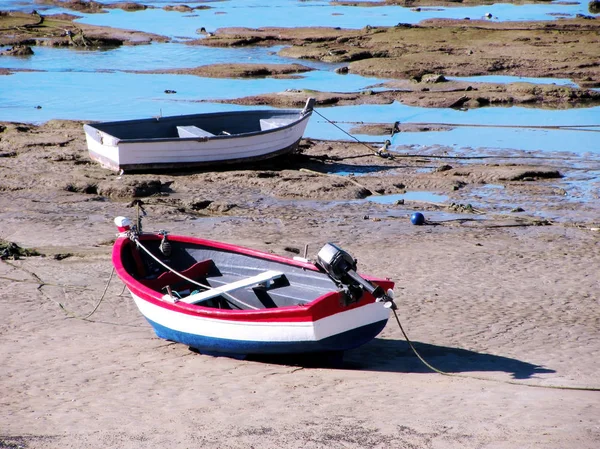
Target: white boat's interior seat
[[272, 123], [192, 131], [264, 278]]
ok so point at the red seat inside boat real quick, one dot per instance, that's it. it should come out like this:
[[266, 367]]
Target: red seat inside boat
[[196, 271]]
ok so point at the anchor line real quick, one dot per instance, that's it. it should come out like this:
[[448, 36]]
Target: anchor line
[[489, 379], [478, 125], [350, 135]]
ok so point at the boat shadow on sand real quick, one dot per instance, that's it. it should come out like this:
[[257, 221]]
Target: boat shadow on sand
[[384, 355], [328, 164], [319, 164]]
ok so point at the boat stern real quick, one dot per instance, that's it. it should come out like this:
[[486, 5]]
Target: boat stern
[[102, 147]]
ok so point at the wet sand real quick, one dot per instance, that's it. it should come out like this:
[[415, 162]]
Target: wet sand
[[505, 297]]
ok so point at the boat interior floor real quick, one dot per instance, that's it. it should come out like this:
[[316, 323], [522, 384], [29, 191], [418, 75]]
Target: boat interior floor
[[213, 288]]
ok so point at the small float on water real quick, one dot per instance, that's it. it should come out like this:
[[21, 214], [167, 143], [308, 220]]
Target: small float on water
[[225, 299], [197, 140]]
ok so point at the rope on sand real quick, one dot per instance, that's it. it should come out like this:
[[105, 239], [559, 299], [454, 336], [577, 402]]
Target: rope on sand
[[73, 315], [511, 382]]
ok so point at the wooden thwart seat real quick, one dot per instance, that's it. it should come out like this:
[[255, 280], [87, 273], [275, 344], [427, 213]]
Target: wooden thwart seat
[[192, 131], [261, 278], [266, 124]]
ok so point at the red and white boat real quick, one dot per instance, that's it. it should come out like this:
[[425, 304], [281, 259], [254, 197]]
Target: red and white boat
[[225, 299]]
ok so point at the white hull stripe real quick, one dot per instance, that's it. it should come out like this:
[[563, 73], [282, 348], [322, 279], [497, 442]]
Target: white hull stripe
[[275, 331]]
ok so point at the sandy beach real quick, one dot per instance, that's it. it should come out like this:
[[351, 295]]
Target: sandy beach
[[506, 304]]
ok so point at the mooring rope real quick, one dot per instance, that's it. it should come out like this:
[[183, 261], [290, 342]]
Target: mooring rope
[[385, 154], [465, 376], [481, 125], [74, 315]]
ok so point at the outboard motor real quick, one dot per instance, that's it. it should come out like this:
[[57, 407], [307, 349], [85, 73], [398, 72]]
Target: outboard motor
[[341, 268]]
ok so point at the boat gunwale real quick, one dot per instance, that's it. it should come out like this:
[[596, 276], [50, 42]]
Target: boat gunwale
[[295, 313], [178, 118], [287, 313]]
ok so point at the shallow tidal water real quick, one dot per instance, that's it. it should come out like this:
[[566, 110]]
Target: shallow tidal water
[[294, 13], [478, 131]]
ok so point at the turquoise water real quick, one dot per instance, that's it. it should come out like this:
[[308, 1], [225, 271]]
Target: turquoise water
[[486, 141], [146, 57], [473, 140], [504, 79], [104, 95], [425, 197], [295, 13], [255, 14]]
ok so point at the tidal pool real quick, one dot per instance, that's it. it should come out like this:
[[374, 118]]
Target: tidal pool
[[423, 197], [40, 96], [574, 198], [504, 79], [476, 130], [156, 56], [256, 14]]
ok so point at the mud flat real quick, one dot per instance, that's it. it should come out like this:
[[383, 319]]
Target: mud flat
[[18, 30], [420, 59]]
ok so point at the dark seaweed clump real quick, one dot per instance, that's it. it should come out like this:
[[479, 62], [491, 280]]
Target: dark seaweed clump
[[10, 250]]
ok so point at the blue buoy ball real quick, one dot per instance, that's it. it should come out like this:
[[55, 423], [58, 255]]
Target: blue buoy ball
[[417, 219]]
